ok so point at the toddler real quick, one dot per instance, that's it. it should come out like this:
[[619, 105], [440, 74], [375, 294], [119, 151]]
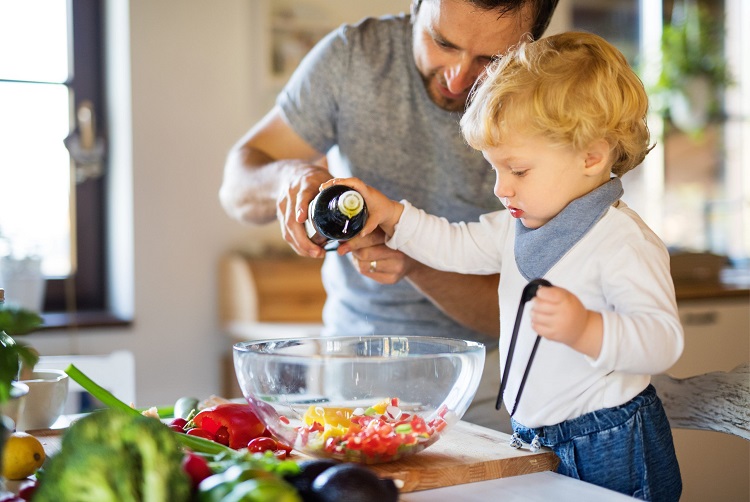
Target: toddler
[[561, 120]]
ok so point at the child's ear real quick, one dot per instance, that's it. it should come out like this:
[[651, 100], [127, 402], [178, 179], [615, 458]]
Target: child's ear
[[597, 158]]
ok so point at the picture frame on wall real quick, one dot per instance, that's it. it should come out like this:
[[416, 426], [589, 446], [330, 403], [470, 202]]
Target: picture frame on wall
[[292, 31]]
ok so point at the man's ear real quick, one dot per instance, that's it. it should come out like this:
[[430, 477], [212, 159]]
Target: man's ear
[[597, 159]]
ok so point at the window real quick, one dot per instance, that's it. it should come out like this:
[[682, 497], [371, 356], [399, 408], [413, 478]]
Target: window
[[694, 187], [51, 75]]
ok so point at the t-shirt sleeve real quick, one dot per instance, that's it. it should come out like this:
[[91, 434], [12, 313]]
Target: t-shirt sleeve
[[310, 99]]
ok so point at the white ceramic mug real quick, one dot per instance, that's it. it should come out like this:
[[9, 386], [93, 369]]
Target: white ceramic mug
[[48, 390]]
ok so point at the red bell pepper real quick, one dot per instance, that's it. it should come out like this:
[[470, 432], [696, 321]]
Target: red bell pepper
[[237, 421]]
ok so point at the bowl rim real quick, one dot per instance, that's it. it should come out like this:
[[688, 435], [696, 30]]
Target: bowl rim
[[18, 389], [246, 347], [59, 376]]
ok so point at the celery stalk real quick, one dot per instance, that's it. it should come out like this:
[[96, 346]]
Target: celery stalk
[[197, 444]]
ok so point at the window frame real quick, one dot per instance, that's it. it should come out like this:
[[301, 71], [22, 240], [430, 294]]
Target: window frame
[[81, 299]]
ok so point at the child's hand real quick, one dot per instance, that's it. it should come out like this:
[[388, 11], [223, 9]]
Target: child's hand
[[558, 315], [381, 211]]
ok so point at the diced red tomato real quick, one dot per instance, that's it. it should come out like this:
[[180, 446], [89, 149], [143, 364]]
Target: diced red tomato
[[376, 437], [261, 444], [196, 468], [315, 427]]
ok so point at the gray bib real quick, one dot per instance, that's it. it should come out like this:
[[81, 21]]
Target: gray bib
[[537, 250]]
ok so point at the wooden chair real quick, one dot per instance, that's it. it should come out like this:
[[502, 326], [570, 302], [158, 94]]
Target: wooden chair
[[717, 401]]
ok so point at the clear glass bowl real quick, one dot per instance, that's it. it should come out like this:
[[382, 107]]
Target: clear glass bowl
[[361, 399]]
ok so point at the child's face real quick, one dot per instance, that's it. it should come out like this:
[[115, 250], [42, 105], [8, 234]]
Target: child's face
[[536, 179]]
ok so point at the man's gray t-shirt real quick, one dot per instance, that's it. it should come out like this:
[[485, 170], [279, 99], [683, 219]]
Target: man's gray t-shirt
[[359, 97]]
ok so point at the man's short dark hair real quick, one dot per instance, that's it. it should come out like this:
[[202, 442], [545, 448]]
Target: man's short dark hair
[[542, 9]]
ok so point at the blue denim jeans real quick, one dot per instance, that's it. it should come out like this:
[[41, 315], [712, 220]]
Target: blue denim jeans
[[627, 448]]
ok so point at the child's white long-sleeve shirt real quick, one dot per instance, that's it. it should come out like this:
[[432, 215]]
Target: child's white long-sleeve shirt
[[619, 268]]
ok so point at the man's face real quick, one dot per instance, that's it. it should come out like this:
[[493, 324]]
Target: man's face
[[453, 43]]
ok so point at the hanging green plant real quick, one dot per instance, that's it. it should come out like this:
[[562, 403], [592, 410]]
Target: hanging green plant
[[694, 71], [14, 322]]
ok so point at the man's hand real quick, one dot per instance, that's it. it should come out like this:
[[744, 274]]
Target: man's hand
[[376, 260], [291, 208], [558, 315], [273, 172]]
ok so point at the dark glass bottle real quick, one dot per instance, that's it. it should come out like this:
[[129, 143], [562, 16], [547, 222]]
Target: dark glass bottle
[[336, 214]]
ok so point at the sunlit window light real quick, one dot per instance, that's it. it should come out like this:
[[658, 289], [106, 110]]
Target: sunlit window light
[[35, 119]]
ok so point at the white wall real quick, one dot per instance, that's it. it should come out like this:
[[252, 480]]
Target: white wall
[[193, 90]]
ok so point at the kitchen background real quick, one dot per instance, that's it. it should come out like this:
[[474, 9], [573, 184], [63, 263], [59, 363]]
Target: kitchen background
[[186, 78]]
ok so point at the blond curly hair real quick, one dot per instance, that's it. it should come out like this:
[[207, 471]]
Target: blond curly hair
[[573, 89]]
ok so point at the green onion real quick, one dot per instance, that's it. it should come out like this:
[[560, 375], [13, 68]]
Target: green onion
[[197, 444], [99, 392], [202, 445]]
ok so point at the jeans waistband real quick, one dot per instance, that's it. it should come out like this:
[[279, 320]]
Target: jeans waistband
[[589, 423]]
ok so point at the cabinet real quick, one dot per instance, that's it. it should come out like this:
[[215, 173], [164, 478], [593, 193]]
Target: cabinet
[[271, 297], [714, 466], [717, 335]]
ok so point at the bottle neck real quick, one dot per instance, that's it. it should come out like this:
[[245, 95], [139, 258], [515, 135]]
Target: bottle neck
[[351, 203]]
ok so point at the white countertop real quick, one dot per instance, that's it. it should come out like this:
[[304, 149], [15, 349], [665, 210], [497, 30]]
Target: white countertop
[[537, 487]]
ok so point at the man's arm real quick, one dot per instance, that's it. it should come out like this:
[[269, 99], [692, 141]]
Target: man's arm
[[471, 300], [272, 173]]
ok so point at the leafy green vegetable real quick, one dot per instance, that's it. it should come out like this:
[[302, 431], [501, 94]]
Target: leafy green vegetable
[[262, 490], [254, 462], [253, 477], [84, 476], [111, 455], [14, 321]]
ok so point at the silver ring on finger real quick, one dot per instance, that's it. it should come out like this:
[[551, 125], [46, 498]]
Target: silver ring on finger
[[373, 266]]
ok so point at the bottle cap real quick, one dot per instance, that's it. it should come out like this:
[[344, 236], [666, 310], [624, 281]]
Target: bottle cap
[[351, 203]]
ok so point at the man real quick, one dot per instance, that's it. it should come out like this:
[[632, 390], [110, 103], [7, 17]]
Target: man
[[381, 101]]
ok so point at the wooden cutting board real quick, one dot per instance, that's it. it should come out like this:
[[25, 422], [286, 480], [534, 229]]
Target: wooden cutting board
[[465, 454]]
